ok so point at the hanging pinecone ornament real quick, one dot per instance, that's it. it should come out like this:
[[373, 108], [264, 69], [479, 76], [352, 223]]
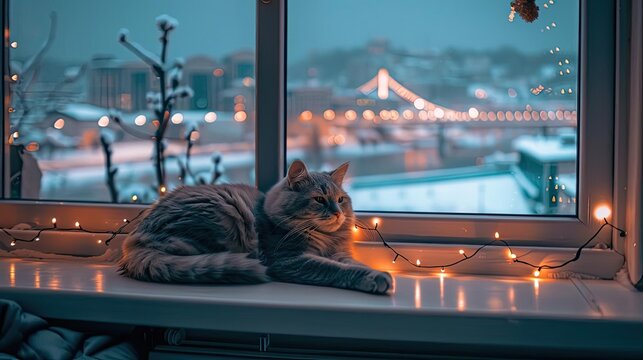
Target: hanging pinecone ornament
[[527, 9]]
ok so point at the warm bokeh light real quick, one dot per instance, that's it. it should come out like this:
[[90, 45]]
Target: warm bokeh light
[[480, 93], [140, 120], [376, 221], [419, 103], [473, 113], [368, 115], [240, 116], [306, 115], [59, 124], [350, 115], [103, 121], [329, 114], [602, 212], [194, 135], [177, 118], [247, 81], [439, 113], [217, 72], [496, 235], [461, 252], [14, 44], [210, 117], [53, 220], [77, 224], [536, 273]]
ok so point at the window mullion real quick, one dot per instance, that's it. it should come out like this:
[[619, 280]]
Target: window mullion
[[269, 131]]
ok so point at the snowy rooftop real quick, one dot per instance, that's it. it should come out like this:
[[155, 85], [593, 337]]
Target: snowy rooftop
[[546, 150]]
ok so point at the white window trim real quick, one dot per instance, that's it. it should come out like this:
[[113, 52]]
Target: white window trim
[[596, 111]]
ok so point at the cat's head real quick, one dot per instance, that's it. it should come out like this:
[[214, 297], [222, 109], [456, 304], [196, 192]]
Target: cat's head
[[310, 200]]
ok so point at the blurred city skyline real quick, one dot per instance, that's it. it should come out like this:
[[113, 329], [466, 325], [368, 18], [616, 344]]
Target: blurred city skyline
[[418, 26]]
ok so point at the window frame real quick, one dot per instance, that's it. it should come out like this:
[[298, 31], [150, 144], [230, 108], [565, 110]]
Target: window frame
[[595, 156]]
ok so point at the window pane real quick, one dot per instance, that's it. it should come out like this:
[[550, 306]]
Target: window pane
[[441, 106], [86, 108]]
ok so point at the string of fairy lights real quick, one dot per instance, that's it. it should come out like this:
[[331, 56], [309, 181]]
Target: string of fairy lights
[[78, 228], [600, 213]]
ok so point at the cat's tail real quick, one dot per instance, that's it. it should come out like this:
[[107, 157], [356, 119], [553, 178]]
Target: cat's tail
[[225, 267]]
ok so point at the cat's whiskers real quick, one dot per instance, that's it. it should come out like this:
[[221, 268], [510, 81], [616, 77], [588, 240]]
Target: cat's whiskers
[[296, 230]]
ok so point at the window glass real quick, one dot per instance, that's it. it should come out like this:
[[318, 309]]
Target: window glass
[[86, 106], [440, 106]]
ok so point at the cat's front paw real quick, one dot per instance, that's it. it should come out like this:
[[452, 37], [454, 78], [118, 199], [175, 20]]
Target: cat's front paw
[[376, 282]]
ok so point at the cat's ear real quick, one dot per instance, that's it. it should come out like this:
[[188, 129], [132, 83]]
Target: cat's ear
[[297, 172], [338, 174]]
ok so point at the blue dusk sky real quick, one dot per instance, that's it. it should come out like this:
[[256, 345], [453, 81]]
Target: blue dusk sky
[[219, 27]]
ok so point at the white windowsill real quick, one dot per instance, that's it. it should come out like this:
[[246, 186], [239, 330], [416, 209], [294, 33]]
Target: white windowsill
[[474, 310]]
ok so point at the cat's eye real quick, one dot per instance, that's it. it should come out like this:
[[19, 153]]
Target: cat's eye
[[340, 200], [319, 199]]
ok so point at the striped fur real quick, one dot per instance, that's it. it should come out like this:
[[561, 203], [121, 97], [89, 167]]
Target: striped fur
[[299, 232], [200, 234]]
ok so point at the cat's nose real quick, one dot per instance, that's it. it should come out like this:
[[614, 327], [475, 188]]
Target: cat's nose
[[337, 214]]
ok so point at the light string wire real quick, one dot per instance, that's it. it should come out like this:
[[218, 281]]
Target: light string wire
[[77, 229], [513, 256]]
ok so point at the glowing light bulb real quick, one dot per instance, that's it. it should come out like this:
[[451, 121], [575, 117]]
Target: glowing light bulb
[[512, 255], [602, 212], [177, 118], [537, 273], [14, 44], [442, 269], [140, 120], [14, 77], [125, 220], [53, 221], [376, 221], [461, 252], [13, 243], [37, 239], [163, 189], [103, 121], [417, 262], [306, 115], [134, 197], [99, 241], [496, 235], [77, 224]]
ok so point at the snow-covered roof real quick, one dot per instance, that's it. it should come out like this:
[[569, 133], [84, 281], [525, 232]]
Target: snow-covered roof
[[546, 150]]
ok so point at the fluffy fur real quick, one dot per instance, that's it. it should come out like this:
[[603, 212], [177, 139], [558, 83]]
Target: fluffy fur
[[298, 232]]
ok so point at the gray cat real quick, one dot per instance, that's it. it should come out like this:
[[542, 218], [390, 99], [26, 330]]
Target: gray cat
[[298, 232]]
